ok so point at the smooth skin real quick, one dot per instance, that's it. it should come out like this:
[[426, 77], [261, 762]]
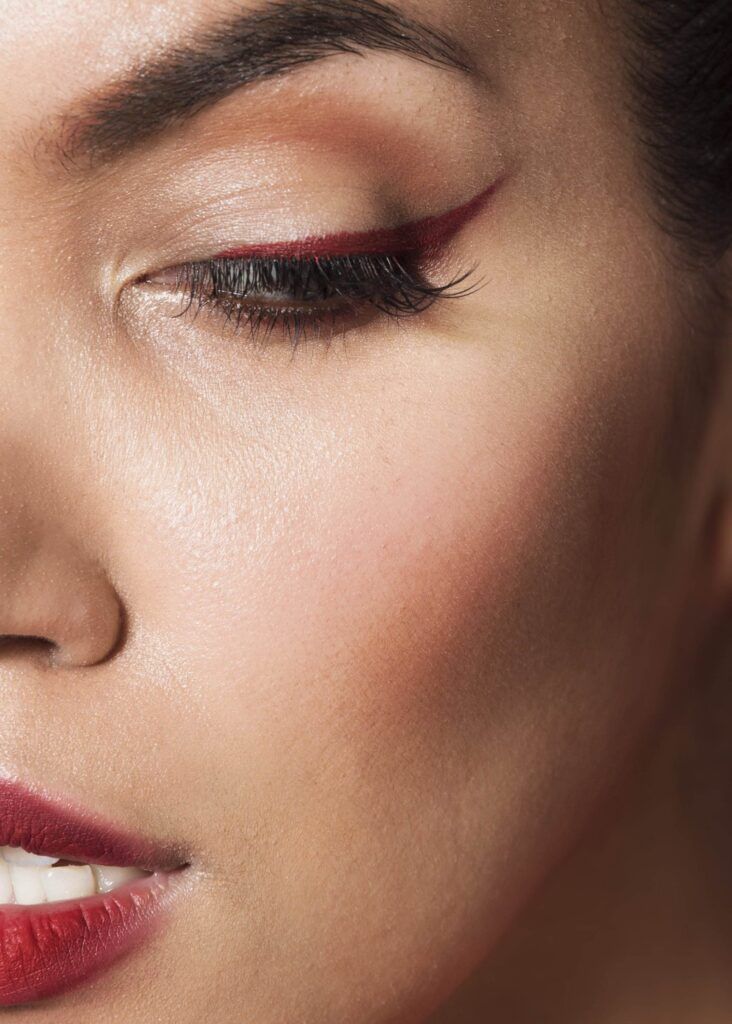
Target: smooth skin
[[405, 640]]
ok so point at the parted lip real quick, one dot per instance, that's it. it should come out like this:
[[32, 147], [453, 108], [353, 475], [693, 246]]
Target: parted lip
[[52, 826]]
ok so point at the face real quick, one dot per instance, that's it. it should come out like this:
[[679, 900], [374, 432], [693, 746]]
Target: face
[[362, 614]]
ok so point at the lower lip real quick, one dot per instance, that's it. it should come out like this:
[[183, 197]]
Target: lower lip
[[48, 948]]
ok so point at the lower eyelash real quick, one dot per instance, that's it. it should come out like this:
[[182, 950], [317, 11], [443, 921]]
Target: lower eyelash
[[320, 291]]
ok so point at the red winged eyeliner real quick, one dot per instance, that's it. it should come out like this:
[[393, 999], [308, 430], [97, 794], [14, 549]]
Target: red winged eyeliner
[[423, 236]]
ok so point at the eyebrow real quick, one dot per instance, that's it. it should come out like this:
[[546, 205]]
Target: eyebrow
[[244, 48]]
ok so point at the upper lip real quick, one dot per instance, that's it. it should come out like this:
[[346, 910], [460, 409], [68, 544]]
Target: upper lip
[[54, 827]]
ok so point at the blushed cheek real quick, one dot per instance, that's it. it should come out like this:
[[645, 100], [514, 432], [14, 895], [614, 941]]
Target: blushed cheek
[[461, 568], [440, 560], [424, 688]]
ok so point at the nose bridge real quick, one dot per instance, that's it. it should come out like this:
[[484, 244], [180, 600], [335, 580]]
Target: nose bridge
[[32, 380]]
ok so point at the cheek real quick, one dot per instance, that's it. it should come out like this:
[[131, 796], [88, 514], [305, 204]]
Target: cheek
[[428, 603], [478, 590], [457, 558], [433, 696], [409, 641], [425, 544], [480, 537]]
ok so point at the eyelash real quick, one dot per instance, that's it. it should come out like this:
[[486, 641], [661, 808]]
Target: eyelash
[[312, 294]]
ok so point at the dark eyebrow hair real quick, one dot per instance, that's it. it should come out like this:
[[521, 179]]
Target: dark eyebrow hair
[[244, 48]]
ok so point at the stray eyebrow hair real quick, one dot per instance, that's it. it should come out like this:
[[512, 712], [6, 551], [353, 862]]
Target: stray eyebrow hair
[[244, 48]]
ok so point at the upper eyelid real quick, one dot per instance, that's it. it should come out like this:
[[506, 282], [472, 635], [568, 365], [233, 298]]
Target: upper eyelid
[[424, 236]]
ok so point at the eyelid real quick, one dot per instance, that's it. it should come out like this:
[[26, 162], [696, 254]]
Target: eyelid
[[381, 270], [321, 291], [426, 237]]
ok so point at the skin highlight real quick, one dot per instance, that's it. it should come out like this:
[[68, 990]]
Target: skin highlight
[[402, 640]]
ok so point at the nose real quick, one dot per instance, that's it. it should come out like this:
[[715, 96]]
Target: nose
[[54, 587], [51, 590]]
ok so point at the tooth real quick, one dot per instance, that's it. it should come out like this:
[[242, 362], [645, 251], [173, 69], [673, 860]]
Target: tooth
[[67, 883], [16, 855], [6, 886], [108, 877], [27, 884]]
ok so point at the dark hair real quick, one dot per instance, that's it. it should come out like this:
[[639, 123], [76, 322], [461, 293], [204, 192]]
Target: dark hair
[[680, 62]]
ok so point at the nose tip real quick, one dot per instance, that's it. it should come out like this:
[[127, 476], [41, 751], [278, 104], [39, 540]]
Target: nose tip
[[64, 600]]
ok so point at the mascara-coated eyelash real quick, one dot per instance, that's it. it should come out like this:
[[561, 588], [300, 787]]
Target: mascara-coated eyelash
[[301, 295]]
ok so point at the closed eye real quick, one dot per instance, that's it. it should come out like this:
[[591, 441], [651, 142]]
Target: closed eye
[[300, 296], [322, 285]]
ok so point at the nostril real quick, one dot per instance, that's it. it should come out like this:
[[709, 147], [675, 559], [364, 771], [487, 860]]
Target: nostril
[[26, 644], [63, 600]]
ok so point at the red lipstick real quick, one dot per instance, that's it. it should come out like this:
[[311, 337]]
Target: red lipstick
[[424, 236], [47, 948]]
